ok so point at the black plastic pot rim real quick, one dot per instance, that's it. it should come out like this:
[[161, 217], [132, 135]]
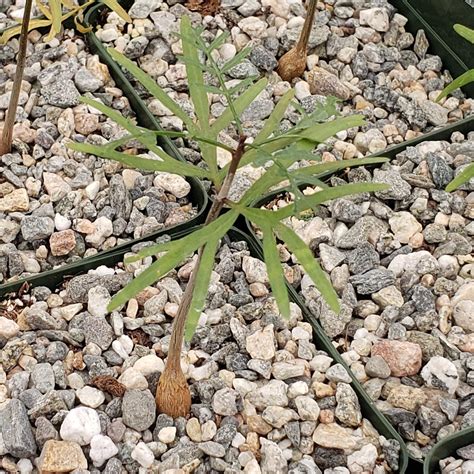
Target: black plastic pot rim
[[51, 277], [447, 447], [198, 195], [57, 277], [462, 126], [440, 16]]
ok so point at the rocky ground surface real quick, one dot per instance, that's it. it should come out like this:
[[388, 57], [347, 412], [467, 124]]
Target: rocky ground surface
[[402, 263], [462, 463], [360, 51], [77, 384], [57, 205]]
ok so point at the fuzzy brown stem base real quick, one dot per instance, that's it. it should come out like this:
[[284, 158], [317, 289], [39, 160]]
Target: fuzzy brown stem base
[[293, 63], [172, 394]]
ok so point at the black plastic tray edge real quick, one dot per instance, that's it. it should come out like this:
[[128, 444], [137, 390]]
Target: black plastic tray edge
[[56, 277], [463, 126], [51, 278], [435, 13], [447, 447], [450, 59]]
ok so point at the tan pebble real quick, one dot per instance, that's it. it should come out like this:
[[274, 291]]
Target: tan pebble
[[63, 242], [258, 425], [61, 456], [171, 309], [17, 200], [416, 240], [326, 416], [132, 308]]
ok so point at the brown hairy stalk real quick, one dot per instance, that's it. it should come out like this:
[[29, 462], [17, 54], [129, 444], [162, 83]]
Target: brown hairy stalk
[[172, 393], [293, 63], [7, 133]]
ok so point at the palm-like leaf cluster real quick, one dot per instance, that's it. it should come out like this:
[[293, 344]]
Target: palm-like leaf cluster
[[277, 151]]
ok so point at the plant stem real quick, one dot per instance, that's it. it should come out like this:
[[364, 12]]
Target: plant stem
[[7, 134], [176, 342], [307, 27]]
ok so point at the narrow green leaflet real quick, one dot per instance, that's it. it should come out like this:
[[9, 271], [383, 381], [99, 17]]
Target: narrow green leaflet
[[202, 286], [177, 251], [461, 81], [195, 75], [461, 178], [240, 104], [313, 200], [218, 227], [316, 133], [275, 270], [154, 272], [117, 8], [151, 86], [309, 263], [272, 122], [465, 32], [167, 165]]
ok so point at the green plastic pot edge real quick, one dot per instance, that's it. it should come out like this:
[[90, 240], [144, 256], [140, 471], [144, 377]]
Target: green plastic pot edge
[[51, 278], [442, 15], [447, 447], [56, 277], [463, 126]]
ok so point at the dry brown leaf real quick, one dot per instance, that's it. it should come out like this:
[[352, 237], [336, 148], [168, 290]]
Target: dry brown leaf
[[204, 7], [108, 384]]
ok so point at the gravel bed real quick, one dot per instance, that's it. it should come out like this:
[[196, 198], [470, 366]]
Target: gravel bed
[[77, 385], [463, 464], [360, 52], [402, 263], [57, 205]]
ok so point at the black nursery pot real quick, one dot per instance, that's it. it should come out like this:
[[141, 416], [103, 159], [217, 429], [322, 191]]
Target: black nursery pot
[[447, 447], [463, 126], [58, 277], [198, 195], [436, 18], [368, 408], [441, 15]]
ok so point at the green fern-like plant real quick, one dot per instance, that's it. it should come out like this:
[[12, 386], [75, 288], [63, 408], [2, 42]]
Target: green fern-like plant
[[274, 149]]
